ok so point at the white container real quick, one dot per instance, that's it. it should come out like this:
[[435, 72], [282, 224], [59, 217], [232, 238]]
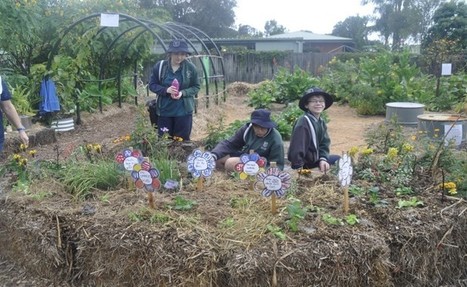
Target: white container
[[404, 112], [63, 125]]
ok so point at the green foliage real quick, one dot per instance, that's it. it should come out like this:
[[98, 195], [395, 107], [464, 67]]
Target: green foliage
[[373, 81], [183, 204], [296, 213], [413, 202], [81, 178], [276, 231], [351, 219], [20, 99], [263, 96], [218, 132], [291, 86], [331, 220], [286, 120]]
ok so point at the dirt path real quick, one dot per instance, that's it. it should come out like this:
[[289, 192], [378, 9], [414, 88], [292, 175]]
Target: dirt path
[[347, 129]]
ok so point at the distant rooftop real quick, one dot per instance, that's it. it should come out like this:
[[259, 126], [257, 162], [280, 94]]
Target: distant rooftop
[[306, 35]]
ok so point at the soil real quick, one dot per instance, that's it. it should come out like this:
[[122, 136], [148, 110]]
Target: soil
[[373, 248]]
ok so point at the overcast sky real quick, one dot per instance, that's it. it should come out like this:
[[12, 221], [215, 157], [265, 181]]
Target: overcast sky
[[317, 16]]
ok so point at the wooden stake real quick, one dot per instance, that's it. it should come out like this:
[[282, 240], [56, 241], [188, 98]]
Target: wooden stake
[[200, 184], [273, 204], [346, 200], [151, 200]]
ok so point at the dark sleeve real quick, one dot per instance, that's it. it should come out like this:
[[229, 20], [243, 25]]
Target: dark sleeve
[[191, 84], [234, 144], [277, 150], [154, 82], [299, 143], [324, 143]]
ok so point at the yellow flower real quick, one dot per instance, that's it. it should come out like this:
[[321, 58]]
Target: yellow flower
[[177, 139], [353, 151], [448, 185], [97, 148], [367, 151], [16, 157], [89, 147], [414, 137], [392, 153], [23, 147], [32, 152], [407, 147], [452, 191]]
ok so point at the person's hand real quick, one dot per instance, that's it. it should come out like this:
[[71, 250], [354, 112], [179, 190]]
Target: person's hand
[[24, 137], [172, 91], [177, 96], [324, 166]]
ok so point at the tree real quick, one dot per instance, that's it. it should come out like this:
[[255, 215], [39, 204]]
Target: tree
[[272, 28], [210, 16], [400, 20], [354, 27], [450, 23], [246, 31]]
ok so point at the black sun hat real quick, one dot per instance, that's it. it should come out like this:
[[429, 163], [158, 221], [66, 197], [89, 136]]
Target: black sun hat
[[178, 46], [315, 91], [262, 118]]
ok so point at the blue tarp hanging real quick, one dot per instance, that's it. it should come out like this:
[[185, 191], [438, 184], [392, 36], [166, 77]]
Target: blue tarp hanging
[[49, 97]]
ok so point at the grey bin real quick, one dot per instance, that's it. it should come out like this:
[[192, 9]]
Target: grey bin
[[405, 113], [449, 127]]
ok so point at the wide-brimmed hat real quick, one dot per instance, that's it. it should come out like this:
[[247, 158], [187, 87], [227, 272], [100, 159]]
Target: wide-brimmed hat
[[178, 46], [315, 91], [262, 118]]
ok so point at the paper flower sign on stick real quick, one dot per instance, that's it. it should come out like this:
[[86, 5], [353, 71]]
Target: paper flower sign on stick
[[345, 177], [250, 165], [200, 165], [274, 183], [144, 175]]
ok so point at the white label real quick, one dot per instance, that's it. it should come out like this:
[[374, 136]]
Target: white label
[[109, 20], [251, 168], [453, 134], [272, 182], [130, 162], [200, 163]]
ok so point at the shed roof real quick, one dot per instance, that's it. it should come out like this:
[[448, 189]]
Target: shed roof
[[309, 36]]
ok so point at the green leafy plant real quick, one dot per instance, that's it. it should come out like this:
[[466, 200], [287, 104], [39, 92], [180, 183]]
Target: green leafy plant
[[351, 219], [296, 213], [180, 203], [331, 220], [413, 202], [276, 231]]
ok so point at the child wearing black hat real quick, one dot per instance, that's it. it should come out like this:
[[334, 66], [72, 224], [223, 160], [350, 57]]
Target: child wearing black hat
[[176, 83], [309, 144], [258, 135]]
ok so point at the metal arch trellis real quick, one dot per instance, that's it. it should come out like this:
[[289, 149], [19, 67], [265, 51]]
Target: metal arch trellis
[[173, 30]]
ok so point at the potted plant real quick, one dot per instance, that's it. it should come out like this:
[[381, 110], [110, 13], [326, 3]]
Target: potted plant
[[20, 98]]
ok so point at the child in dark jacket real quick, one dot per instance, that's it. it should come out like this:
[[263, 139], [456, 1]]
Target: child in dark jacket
[[258, 135], [309, 144]]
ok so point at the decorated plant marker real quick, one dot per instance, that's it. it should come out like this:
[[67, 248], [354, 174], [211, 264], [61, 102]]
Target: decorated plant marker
[[200, 165], [274, 183], [250, 165], [345, 177], [144, 175]]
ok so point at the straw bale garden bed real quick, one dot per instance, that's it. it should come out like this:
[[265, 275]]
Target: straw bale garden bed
[[225, 234]]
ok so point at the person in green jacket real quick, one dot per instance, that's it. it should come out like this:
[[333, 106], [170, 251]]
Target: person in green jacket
[[309, 143], [176, 83], [259, 135]]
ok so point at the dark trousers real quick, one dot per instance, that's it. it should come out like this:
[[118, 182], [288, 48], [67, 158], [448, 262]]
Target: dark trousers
[[177, 126], [331, 160]]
